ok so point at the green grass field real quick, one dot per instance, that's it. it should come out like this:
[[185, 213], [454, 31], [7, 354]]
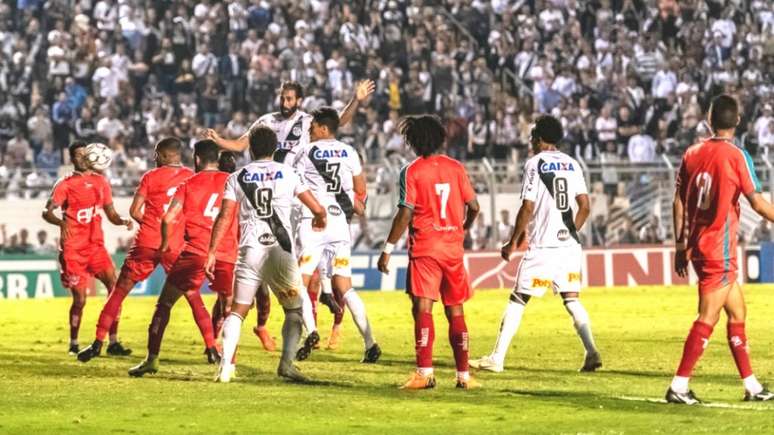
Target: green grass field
[[639, 331]]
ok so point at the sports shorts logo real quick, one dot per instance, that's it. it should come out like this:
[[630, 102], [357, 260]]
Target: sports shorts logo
[[563, 235], [305, 259], [334, 210], [573, 277], [541, 283], [340, 262], [267, 239]]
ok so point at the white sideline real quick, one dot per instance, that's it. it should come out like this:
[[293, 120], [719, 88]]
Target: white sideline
[[706, 405]]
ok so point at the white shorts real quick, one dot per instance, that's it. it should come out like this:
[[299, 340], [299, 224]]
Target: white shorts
[[329, 251], [558, 269], [270, 265]]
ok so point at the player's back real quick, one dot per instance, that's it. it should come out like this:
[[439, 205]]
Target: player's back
[[437, 188], [552, 180], [291, 133], [158, 186], [81, 196], [200, 195], [712, 176]]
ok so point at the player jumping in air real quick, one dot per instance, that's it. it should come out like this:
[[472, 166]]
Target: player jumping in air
[[82, 252], [554, 207], [198, 200], [150, 202], [439, 204], [262, 195], [333, 172], [713, 174]]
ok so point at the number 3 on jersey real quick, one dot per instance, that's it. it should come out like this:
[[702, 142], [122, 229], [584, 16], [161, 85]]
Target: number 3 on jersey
[[211, 211], [442, 190]]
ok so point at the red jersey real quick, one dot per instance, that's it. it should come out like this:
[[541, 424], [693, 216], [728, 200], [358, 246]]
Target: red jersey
[[200, 196], [712, 176], [158, 187], [436, 188], [81, 196]]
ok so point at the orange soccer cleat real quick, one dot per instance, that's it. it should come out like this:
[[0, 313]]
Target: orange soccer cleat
[[469, 384], [419, 382], [266, 341], [335, 339]]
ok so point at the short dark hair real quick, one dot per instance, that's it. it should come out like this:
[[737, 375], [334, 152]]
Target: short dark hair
[[207, 151], [263, 142], [549, 129], [293, 85], [227, 162], [74, 146], [327, 116], [424, 133], [724, 112], [171, 145]]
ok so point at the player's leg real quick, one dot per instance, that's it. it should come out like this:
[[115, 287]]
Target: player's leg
[[455, 291], [158, 325], [334, 340], [204, 323], [75, 316], [582, 324], [307, 267], [74, 278], [108, 278], [263, 306], [423, 285]]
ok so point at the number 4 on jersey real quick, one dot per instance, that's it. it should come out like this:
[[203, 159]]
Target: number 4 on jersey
[[211, 211]]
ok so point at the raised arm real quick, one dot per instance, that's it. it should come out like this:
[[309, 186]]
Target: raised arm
[[237, 145], [362, 91]]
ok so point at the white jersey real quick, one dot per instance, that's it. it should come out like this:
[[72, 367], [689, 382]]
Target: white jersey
[[291, 133], [552, 180], [264, 191]]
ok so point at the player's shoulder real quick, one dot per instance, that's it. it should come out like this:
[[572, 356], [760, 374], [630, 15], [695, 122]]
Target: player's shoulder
[[306, 116]]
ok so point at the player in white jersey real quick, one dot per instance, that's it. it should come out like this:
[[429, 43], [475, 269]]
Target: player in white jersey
[[333, 172], [554, 207], [262, 194]]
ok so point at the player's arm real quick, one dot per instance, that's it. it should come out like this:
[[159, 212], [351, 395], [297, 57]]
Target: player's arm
[[219, 229], [764, 208], [471, 213], [175, 207], [519, 227], [319, 221], [49, 215], [115, 218], [678, 222], [237, 145], [361, 193], [136, 209], [399, 224], [362, 91], [583, 210]]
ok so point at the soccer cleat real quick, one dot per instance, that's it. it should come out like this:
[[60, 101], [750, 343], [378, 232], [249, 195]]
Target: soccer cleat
[[334, 340], [306, 350], [90, 352], [266, 341], [329, 301], [419, 382], [117, 349], [226, 372], [591, 363], [469, 384], [73, 350], [682, 398], [763, 396], [372, 355], [486, 363], [213, 355], [147, 366], [291, 373]]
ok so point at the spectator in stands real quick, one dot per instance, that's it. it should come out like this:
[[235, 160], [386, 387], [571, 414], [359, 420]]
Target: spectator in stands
[[598, 231], [652, 232], [504, 226], [40, 129], [641, 148], [109, 126], [19, 244], [48, 160], [18, 151], [626, 233], [606, 128], [479, 234], [762, 233], [44, 247]]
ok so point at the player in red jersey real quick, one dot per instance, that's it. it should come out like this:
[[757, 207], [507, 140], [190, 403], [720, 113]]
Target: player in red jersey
[[712, 176], [198, 200], [150, 202], [82, 252], [439, 204]]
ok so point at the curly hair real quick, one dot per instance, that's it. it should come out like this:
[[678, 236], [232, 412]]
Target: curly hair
[[425, 134]]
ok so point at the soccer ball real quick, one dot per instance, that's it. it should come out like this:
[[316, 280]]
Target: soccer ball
[[98, 156]]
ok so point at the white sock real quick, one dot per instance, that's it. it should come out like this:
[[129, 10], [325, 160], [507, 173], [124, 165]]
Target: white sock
[[752, 385], [582, 324], [508, 327], [325, 285], [680, 384], [463, 376], [425, 371], [307, 312], [73, 342], [232, 328], [357, 308]]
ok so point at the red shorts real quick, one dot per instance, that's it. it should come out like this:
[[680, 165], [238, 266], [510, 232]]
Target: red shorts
[[714, 274], [187, 272], [224, 278], [435, 279], [77, 267], [142, 261]]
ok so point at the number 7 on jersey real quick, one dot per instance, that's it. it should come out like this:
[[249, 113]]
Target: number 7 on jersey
[[442, 190]]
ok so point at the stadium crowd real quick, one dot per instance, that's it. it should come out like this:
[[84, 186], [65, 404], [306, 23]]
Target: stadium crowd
[[629, 79]]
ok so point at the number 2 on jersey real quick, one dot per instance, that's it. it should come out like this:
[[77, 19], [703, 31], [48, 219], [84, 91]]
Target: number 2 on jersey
[[442, 190], [211, 211], [560, 194]]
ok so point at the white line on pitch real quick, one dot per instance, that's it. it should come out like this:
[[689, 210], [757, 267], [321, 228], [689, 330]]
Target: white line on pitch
[[706, 405]]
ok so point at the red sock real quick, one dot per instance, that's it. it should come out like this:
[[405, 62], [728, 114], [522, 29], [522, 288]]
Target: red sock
[[737, 341], [263, 304], [156, 328], [313, 297], [76, 313], [694, 346], [111, 311], [337, 318], [458, 338], [424, 334], [202, 317]]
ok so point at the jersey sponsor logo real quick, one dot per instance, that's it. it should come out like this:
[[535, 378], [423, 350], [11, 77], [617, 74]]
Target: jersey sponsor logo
[[287, 145], [85, 215], [563, 235], [257, 177], [333, 210], [340, 262], [541, 283], [331, 153], [445, 228], [267, 239], [556, 166]]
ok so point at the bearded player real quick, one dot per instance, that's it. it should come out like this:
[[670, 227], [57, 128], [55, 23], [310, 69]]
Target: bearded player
[[198, 200], [438, 204], [151, 200], [82, 252], [713, 174]]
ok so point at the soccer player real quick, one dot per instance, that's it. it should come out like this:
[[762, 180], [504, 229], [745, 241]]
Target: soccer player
[[82, 252], [198, 200], [262, 194], [151, 200], [555, 205], [332, 170], [439, 204], [713, 174]]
